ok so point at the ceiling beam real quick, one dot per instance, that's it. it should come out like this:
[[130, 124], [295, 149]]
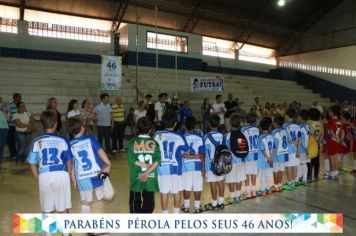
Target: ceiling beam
[[120, 12], [322, 10], [193, 20]]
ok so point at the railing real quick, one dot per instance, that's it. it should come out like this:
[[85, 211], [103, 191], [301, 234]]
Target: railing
[[8, 25], [68, 32]]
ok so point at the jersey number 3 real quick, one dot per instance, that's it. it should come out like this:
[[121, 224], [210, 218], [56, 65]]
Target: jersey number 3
[[85, 160]]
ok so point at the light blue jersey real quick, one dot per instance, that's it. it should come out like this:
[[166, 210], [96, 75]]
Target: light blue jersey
[[293, 132], [266, 143], [87, 162], [50, 152], [235, 160], [251, 133], [281, 145], [196, 146], [304, 138], [172, 146], [210, 147]]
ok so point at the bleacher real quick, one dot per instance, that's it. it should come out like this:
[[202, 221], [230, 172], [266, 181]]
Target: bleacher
[[37, 80]]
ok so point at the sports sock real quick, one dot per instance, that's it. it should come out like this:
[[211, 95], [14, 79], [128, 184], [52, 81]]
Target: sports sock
[[248, 189], [263, 183], [164, 211], [327, 165], [232, 195], [238, 193], [299, 173], [85, 208], [196, 204], [345, 161], [186, 203], [268, 183], [305, 172], [253, 188], [176, 210], [221, 200], [214, 203]]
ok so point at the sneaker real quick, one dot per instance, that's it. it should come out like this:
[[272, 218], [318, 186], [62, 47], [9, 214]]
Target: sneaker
[[275, 189], [209, 206], [292, 186], [220, 206], [237, 199], [198, 210], [305, 183], [185, 210], [287, 187], [253, 194], [230, 200], [336, 177], [298, 183], [259, 193], [245, 195], [268, 192]]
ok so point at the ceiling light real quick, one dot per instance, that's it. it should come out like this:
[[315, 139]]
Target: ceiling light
[[281, 3]]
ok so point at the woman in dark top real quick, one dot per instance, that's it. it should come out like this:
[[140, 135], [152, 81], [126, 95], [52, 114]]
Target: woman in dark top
[[52, 105], [205, 112]]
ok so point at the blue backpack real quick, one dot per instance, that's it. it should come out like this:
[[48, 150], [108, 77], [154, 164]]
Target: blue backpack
[[222, 161]]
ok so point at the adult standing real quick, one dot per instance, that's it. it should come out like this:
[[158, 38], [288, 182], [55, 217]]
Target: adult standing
[[140, 111], [25, 125], [73, 109], [231, 107], [318, 107], [87, 116], [150, 108], [205, 113], [160, 108], [4, 128], [11, 136], [185, 112], [218, 108], [102, 112], [118, 116], [52, 105]]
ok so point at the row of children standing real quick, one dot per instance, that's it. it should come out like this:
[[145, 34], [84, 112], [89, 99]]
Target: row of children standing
[[170, 163]]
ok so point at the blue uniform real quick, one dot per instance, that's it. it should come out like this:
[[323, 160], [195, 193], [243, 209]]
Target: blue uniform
[[281, 145], [172, 146], [304, 138], [87, 162], [293, 132], [235, 160], [210, 147], [196, 146], [266, 143], [251, 133], [51, 153]]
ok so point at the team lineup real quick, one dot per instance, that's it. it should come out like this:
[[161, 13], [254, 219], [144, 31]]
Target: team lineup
[[175, 163]]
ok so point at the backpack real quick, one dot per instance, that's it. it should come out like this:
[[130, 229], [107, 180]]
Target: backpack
[[238, 143], [222, 161], [312, 148]]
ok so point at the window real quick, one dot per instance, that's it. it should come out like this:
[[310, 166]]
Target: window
[[218, 48], [8, 19], [167, 42], [52, 25]]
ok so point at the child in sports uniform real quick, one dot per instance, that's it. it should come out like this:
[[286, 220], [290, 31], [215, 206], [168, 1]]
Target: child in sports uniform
[[280, 157], [317, 132], [89, 161], [172, 147], [50, 161], [193, 168], [144, 157], [334, 143], [216, 182], [251, 132], [293, 132], [346, 143], [265, 156], [238, 172], [302, 147]]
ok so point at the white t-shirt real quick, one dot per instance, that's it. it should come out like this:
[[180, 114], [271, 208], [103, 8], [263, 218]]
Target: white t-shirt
[[319, 108], [138, 114], [24, 119], [73, 113], [217, 108], [160, 107]]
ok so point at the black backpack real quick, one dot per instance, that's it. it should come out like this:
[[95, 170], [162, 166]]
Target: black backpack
[[222, 161], [238, 143]]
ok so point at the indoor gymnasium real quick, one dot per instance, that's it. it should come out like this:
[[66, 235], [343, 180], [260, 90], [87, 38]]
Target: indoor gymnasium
[[203, 108]]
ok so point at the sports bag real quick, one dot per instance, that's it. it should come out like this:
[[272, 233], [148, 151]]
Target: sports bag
[[238, 143], [312, 148], [222, 161]]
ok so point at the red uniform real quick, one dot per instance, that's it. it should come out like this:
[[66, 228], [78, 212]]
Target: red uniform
[[334, 129], [346, 147]]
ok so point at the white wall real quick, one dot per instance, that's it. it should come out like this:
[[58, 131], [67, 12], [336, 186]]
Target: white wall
[[231, 63], [342, 58]]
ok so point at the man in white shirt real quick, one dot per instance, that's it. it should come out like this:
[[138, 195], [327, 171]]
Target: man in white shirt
[[218, 108], [317, 106], [102, 113]]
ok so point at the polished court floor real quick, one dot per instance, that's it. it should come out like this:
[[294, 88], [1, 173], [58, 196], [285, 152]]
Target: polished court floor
[[19, 193]]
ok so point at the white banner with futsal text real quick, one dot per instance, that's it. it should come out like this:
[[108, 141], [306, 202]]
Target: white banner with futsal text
[[111, 72], [203, 84]]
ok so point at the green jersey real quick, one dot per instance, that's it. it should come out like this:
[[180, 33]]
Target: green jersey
[[143, 149]]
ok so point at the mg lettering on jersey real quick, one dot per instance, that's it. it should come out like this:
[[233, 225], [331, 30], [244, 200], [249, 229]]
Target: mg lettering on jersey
[[144, 146]]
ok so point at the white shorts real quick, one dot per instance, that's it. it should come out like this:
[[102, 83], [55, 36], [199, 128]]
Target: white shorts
[[170, 183], [211, 177], [237, 173], [279, 166], [87, 195], [267, 172], [55, 192], [251, 167], [304, 158], [193, 181], [293, 161]]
